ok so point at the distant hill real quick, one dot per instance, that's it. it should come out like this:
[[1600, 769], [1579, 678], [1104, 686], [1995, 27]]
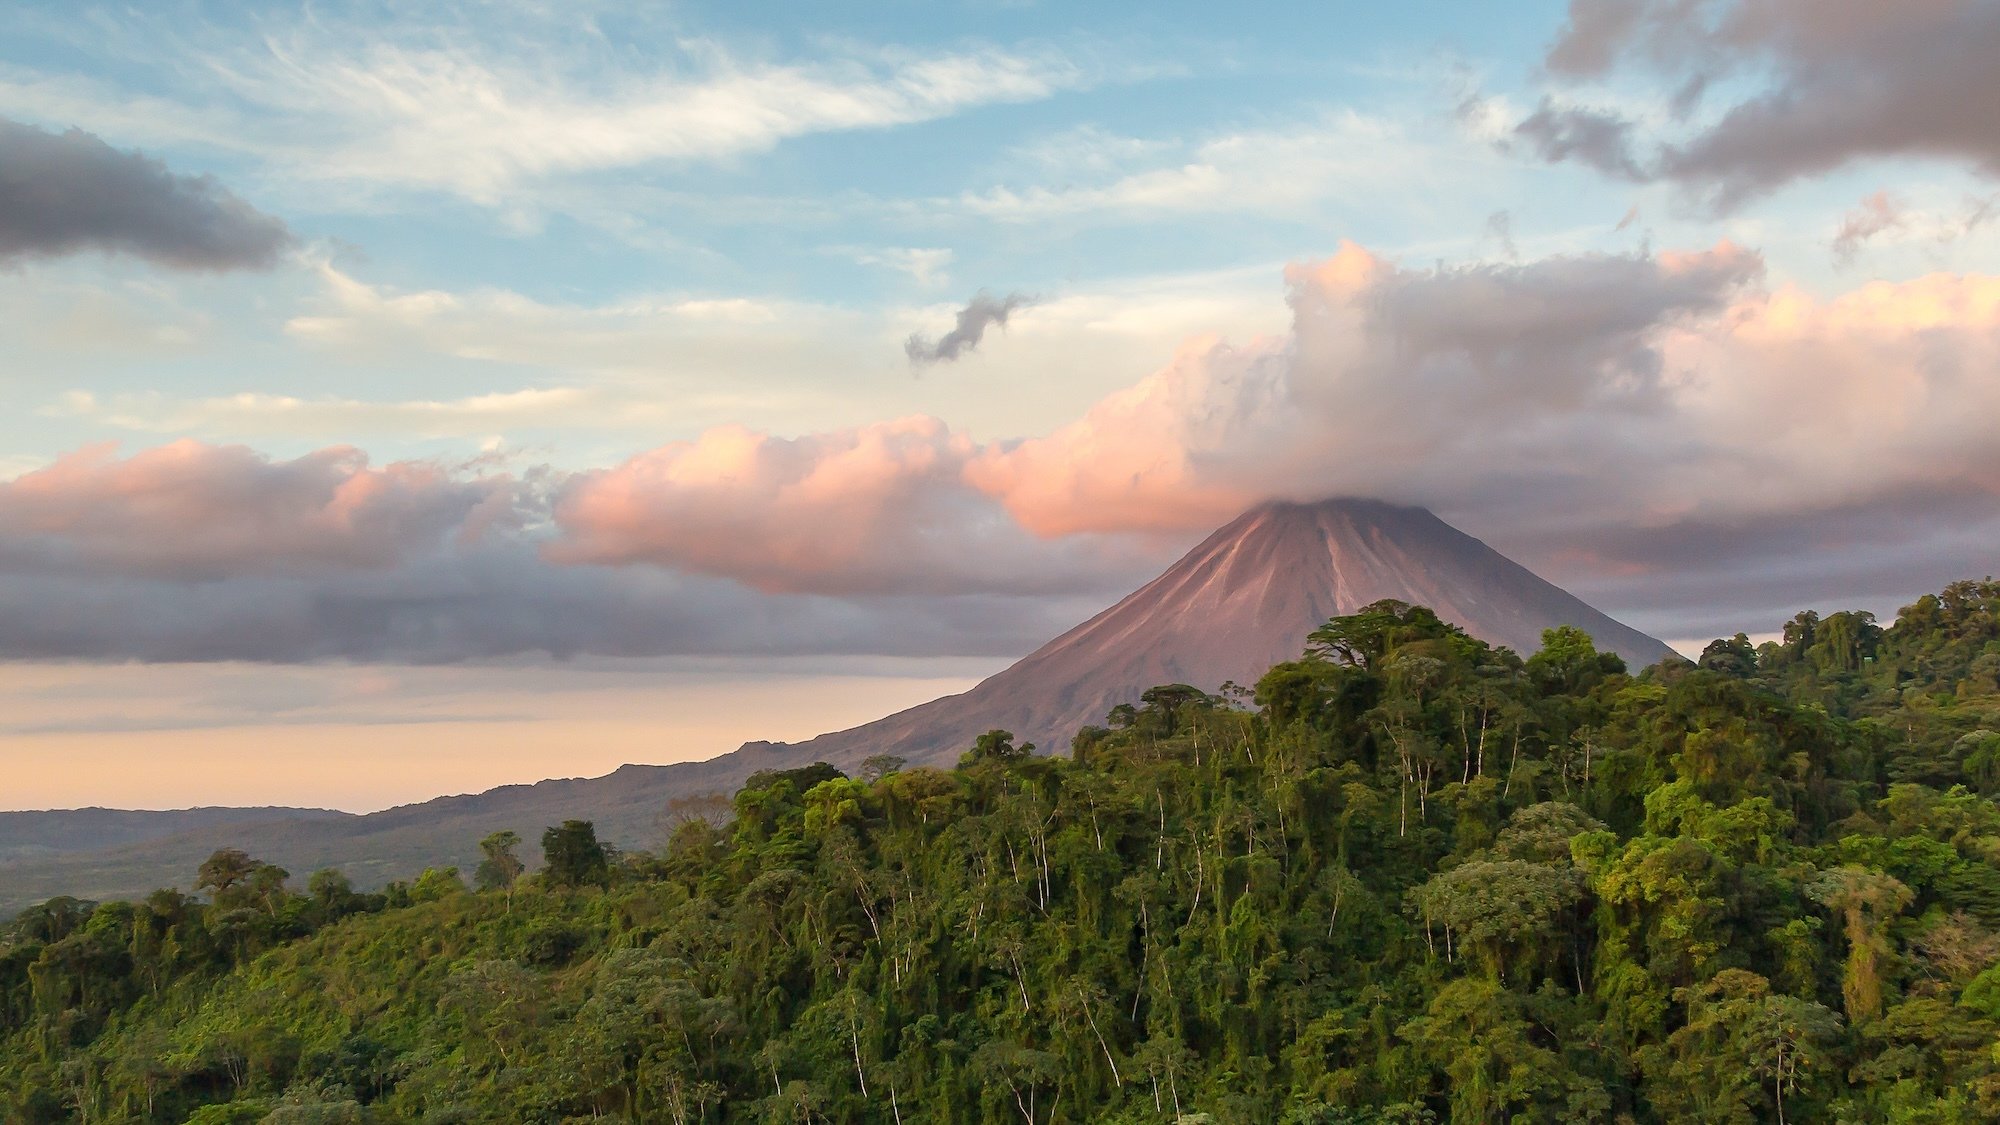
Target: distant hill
[[629, 806], [25, 835], [1241, 601]]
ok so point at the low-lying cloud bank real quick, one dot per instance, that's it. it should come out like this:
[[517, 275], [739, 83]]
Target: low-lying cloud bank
[[1669, 434], [192, 552]]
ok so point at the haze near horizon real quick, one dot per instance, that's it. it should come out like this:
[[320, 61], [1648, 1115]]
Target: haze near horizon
[[413, 400]]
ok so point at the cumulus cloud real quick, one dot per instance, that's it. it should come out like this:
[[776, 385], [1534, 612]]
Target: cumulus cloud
[[67, 193], [1830, 82], [982, 312], [1394, 382], [190, 511], [192, 552], [879, 509]]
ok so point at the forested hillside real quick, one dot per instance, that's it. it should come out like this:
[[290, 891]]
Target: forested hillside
[[1406, 878]]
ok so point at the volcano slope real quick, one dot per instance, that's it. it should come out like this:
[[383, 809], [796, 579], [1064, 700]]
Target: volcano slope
[[1241, 601]]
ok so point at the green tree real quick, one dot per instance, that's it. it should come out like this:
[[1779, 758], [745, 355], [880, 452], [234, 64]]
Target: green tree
[[572, 857], [499, 865]]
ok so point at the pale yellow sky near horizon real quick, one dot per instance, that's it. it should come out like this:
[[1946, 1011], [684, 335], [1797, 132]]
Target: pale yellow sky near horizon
[[363, 737], [367, 737]]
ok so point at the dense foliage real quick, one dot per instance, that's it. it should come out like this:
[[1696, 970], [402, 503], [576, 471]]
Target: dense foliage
[[1409, 878]]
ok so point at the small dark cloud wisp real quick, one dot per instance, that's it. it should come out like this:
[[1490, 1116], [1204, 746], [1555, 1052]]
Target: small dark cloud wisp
[[982, 312], [69, 193]]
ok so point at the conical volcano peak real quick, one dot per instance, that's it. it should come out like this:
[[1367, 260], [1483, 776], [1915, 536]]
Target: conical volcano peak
[[1362, 506], [1337, 516], [1242, 600], [1358, 509]]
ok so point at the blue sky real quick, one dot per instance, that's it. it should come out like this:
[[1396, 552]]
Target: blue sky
[[580, 288]]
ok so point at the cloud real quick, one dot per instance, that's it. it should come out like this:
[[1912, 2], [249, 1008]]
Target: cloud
[[1876, 214], [492, 600], [1335, 158], [522, 109], [881, 509], [1388, 378], [1590, 137], [1827, 83], [1665, 431], [270, 414], [925, 265], [982, 312], [665, 365], [69, 193], [1620, 421], [1712, 575], [449, 120], [194, 512], [191, 552]]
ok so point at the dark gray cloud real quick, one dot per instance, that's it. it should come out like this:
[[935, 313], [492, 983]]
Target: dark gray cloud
[[494, 600], [1836, 80], [68, 193], [1589, 137], [982, 312], [1708, 577]]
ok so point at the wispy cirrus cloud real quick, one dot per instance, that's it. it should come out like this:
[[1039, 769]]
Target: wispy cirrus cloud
[[491, 108], [256, 412], [448, 119], [1301, 168]]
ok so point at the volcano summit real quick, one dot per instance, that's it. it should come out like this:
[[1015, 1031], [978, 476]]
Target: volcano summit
[[1241, 601]]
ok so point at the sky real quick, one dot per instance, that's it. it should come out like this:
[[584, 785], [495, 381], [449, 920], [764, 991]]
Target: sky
[[413, 398]]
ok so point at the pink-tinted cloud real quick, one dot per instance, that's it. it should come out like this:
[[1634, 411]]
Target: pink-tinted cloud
[[190, 510], [878, 509]]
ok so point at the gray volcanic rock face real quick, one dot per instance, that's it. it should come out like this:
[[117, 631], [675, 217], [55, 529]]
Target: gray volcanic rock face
[[1235, 605]]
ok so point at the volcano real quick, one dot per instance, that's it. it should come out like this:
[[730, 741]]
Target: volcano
[[1235, 605], [1241, 601]]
